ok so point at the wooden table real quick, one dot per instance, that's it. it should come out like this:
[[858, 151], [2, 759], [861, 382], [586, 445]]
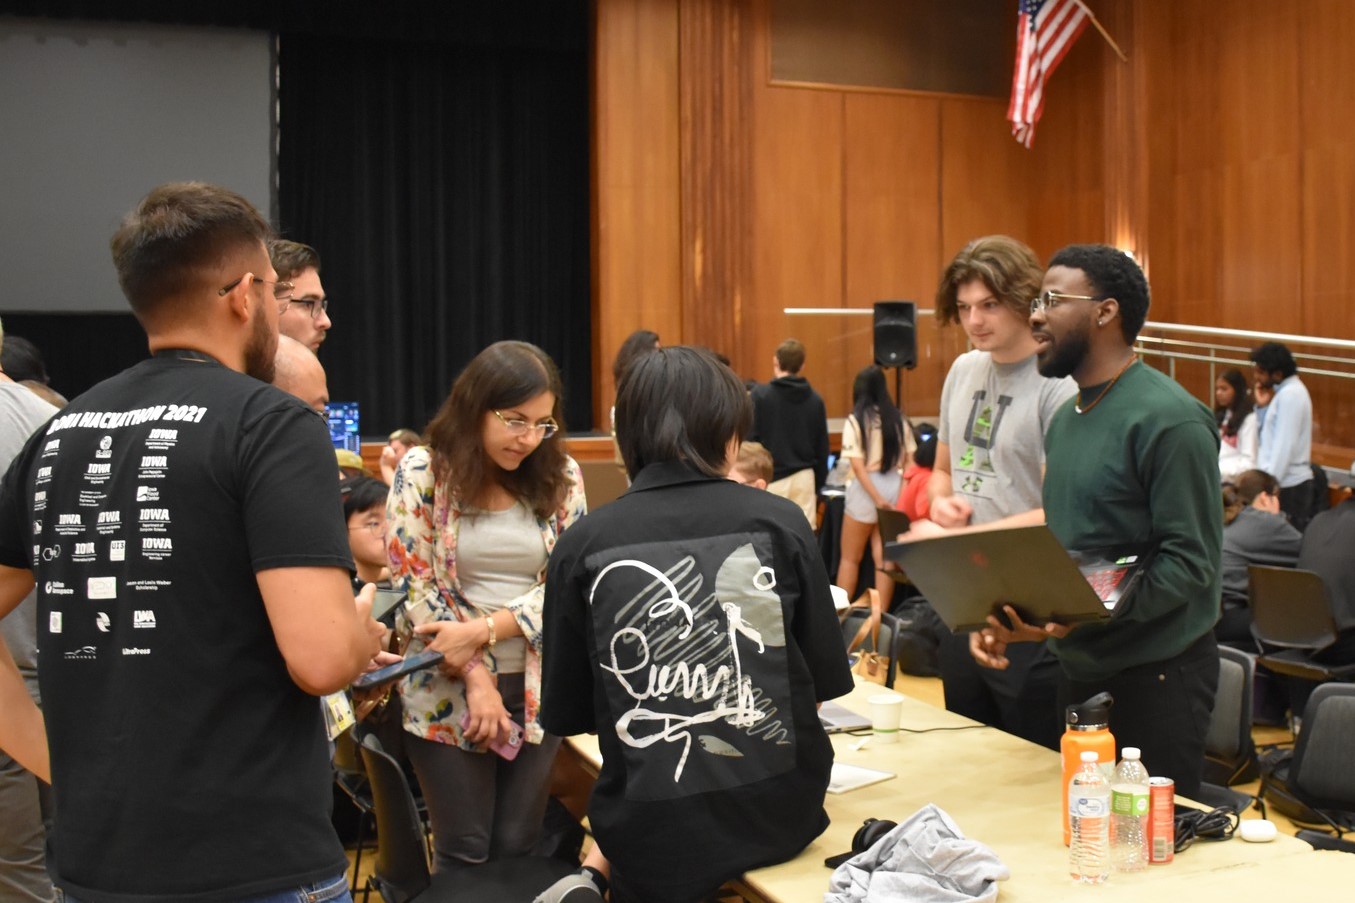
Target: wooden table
[[1004, 791]]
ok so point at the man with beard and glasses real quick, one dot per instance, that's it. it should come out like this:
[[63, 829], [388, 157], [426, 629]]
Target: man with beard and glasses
[[1132, 458], [191, 563]]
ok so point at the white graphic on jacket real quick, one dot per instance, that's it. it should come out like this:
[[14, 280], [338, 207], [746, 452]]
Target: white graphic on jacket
[[686, 662]]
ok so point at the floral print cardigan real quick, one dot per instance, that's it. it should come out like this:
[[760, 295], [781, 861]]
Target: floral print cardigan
[[423, 526]]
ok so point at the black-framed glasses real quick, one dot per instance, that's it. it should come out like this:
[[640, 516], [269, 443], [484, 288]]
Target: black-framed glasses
[[1049, 299], [546, 428], [282, 291], [315, 307]]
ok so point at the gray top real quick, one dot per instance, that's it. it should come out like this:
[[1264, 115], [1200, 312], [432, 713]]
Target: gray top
[[21, 413], [1255, 537], [994, 418], [499, 555]]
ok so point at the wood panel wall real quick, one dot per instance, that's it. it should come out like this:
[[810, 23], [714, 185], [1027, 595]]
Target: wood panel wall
[[1220, 154]]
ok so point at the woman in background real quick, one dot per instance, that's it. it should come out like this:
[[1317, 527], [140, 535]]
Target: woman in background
[[1238, 434], [873, 440], [474, 516]]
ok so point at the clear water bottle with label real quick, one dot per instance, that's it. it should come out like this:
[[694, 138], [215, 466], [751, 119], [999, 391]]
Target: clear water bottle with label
[[1089, 817], [1129, 813]]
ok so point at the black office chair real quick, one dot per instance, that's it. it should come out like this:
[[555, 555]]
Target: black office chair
[[1229, 752], [891, 634], [402, 872], [1291, 618], [351, 778], [1317, 785]]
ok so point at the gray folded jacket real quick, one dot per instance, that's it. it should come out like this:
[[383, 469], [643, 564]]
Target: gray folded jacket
[[924, 860]]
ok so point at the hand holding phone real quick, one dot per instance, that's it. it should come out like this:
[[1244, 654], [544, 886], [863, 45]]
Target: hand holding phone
[[508, 746], [407, 665]]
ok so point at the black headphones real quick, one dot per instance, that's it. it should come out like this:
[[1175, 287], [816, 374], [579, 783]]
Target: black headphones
[[871, 830]]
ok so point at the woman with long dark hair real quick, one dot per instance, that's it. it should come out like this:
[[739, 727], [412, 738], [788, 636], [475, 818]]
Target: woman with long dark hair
[[474, 516], [1238, 434], [875, 441]]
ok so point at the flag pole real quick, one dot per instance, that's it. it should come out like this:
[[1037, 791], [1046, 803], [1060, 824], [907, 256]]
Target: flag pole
[[1104, 33]]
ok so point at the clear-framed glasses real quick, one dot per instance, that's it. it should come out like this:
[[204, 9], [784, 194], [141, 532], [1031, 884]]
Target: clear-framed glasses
[[546, 428], [374, 527], [282, 291], [316, 307], [1049, 299]]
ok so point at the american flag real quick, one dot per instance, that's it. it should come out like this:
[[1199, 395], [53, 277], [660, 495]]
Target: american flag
[[1044, 31]]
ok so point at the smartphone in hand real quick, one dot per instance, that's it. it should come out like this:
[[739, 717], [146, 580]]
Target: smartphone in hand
[[507, 747], [417, 662]]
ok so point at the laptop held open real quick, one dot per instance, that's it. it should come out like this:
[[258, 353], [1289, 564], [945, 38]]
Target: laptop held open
[[968, 576]]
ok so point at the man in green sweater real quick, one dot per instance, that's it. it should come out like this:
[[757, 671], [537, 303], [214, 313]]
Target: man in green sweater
[[1132, 458]]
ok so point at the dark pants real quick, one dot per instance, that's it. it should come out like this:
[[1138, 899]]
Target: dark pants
[[1021, 700], [1297, 503], [1163, 708]]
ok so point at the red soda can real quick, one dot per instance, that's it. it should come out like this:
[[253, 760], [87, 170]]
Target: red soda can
[[1161, 819]]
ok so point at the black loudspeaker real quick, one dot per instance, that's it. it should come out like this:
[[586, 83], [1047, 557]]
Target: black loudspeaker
[[896, 334]]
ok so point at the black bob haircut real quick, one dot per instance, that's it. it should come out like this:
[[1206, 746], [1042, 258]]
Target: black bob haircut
[[1273, 356], [361, 494], [1112, 273], [680, 404]]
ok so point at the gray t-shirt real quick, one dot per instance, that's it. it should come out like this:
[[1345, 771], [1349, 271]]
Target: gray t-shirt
[[21, 413], [993, 419]]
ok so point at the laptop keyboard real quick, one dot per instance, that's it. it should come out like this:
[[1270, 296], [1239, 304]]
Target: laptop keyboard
[[1104, 581]]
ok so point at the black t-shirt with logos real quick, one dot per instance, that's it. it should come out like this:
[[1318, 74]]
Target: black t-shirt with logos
[[689, 624], [186, 763]]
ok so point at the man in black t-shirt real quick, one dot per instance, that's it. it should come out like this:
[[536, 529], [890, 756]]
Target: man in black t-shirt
[[191, 561]]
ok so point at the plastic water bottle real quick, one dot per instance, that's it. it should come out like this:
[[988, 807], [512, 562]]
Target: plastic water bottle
[[1129, 813], [1089, 814]]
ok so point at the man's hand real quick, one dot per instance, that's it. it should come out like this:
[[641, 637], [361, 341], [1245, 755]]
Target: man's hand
[[951, 511], [376, 631], [989, 645], [922, 529]]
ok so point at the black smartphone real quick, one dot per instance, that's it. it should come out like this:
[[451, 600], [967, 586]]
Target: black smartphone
[[385, 602], [417, 662]]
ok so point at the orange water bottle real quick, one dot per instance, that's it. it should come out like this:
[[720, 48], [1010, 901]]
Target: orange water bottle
[[1088, 729]]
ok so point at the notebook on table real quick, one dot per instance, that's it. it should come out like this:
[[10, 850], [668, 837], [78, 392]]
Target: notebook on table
[[968, 576]]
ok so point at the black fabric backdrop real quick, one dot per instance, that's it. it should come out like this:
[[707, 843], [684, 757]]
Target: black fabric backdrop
[[446, 189], [436, 155]]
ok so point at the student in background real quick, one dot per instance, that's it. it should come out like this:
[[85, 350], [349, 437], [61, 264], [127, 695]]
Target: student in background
[[753, 466], [874, 440], [400, 442], [474, 515], [364, 508], [913, 499], [1254, 532], [1237, 424]]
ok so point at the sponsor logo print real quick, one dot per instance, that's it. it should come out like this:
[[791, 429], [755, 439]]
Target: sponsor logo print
[[57, 588], [153, 466], [154, 520], [143, 619], [51, 553], [101, 588], [147, 494], [98, 473], [156, 548], [101, 621], [84, 653], [84, 551], [37, 527], [69, 524], [52, 447], [40, 500], [117, 550], [162, 439], [108, 522], [133, 650], [105, 448], [44, 476], [53, 622]]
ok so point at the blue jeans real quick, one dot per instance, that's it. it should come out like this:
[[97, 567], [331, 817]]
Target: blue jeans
[[331, 890]]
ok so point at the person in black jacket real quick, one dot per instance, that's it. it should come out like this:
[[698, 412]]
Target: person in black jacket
[[789, 418]]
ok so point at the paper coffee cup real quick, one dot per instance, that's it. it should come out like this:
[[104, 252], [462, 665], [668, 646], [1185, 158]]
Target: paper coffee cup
[[885, 709]]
